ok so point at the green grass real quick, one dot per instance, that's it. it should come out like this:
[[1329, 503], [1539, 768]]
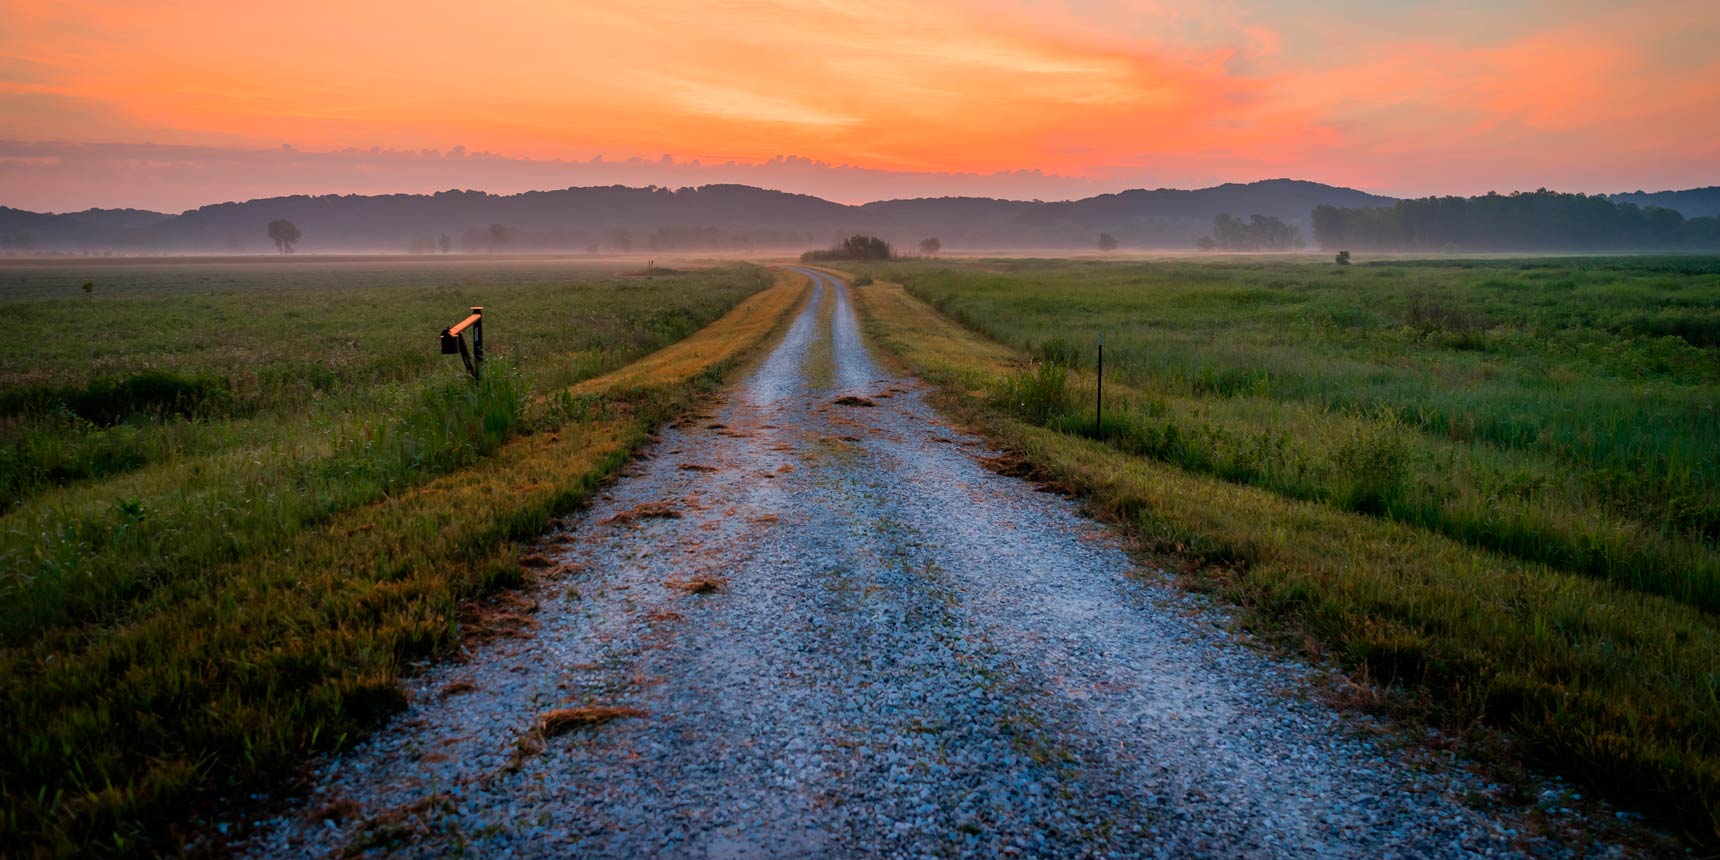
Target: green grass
[[1289, 463], [1562, 413], [252, 507]]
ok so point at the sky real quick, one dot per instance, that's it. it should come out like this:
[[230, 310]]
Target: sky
[[171, 104]]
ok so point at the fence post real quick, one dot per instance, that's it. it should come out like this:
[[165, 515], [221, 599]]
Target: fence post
[[1099, 405], [478, 343]]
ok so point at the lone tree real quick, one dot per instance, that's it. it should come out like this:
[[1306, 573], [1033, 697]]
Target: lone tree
[[1343, 258], [930, 247], [1206, 243], [284, 234], [444, 242], [1107, 242]]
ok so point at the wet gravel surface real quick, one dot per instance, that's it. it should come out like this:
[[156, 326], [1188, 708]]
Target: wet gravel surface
[[851, 639]]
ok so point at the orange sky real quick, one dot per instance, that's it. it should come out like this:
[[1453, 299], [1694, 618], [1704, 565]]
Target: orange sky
[[1400, 97]]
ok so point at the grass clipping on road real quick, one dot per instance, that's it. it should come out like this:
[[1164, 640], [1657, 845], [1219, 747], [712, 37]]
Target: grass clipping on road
[[112, 733], [1611, 686]]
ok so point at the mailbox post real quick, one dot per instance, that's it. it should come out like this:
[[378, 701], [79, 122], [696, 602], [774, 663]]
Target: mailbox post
[[454, 342]]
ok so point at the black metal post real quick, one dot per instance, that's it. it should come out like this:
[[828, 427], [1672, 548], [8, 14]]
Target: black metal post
[[1099, 405], [478, 343]]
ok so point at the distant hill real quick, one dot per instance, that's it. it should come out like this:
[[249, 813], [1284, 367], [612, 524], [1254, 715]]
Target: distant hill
[[1691, 203], [1165, 217], [713, 217], [124, 219], [709, 218], [90, 229]]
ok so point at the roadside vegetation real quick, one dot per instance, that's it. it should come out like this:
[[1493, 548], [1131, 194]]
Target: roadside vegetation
[[1492, 486], [234, 519]]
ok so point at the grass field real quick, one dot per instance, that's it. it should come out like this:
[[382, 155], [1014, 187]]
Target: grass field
[[1492, 485], [238, 501]]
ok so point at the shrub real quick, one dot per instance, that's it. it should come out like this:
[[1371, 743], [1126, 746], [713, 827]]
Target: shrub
[[856, 247]]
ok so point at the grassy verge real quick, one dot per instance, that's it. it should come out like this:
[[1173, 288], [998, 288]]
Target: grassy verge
[[1559, 411], [1609, 685], [234, 668]]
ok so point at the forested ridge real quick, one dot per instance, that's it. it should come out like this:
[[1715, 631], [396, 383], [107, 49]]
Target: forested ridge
[[1528, 221]]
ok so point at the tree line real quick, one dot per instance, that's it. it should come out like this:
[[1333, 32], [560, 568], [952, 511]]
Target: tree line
[[1538, 220], [1258, 233]]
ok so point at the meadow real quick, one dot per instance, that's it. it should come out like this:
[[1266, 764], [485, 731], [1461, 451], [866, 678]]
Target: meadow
[[1491, 485], [239, 499]]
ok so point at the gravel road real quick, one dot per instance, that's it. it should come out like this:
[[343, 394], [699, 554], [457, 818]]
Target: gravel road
[[826, 630]]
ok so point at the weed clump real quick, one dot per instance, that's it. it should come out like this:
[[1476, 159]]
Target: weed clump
[[1062, 352], [1039, 393], [1372, 464]]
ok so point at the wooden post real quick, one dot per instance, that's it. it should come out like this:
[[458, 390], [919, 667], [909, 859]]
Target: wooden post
[[478, 343]]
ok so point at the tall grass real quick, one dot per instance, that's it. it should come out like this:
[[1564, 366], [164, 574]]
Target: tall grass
[[1516, 406]]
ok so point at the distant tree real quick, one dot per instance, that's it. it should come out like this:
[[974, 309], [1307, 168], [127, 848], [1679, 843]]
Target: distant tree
[[930, 247], [1343, 258], [1107, 242], [89, 288], [284, 234], [1205, 243], [856, 247], [499, 236], [444, 242]]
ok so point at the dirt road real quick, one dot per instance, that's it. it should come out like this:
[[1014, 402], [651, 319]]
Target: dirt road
[[823, 629]]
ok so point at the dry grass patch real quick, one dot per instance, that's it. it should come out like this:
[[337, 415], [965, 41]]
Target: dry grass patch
[[698, 467], [458, 688], [646, 511], [345, 809], [505, 615], [564, 720], [704, 583]]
